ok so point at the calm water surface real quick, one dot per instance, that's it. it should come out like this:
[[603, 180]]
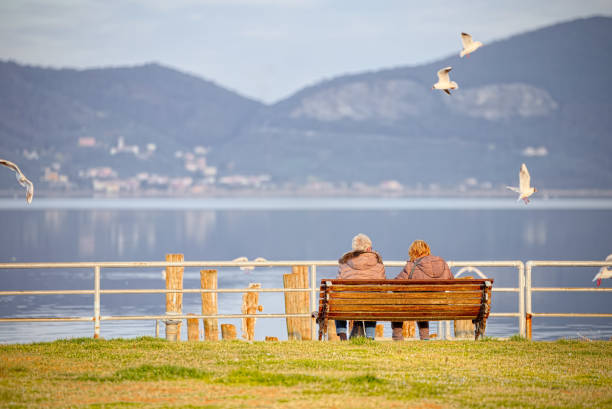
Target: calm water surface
[[289, 229]]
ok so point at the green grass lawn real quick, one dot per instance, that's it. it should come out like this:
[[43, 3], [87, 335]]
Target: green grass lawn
[[154, 373]]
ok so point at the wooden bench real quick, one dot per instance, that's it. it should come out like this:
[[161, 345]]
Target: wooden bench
[[405, 300]]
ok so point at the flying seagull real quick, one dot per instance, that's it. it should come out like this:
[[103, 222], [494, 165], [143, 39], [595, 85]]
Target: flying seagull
[[524, 190], [604, 272], [469, 46], [444, 83], [23, 181]]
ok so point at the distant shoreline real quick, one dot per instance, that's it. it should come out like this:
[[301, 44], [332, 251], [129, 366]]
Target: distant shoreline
[[311, 193], [279, 203]]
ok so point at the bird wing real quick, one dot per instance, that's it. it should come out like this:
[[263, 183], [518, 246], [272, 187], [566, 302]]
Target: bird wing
[[466, 40], [604, 272], [447, 91], [514, 189], [443, 74], [524, 179], [29, 191], [10, 165]]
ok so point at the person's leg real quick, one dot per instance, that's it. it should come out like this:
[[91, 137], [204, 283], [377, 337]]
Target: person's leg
[[397, 328], [370, 329], [341, 329], [357, 330], [423, 329]]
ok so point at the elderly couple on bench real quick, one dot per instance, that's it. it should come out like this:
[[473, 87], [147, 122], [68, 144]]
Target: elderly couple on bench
[[364, 263]]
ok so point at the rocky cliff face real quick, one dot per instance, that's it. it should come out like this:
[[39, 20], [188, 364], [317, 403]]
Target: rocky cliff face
[[503, 101], [379, 100]]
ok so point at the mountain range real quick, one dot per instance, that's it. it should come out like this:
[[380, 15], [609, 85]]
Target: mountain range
[[539, 98]]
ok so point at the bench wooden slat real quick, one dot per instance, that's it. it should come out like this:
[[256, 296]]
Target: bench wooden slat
[[442, 308], [400, 288], [408, 282], [400, 301], [400, 316], [404, 295]]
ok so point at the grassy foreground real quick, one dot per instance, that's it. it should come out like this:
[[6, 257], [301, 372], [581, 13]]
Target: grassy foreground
[[153, 373]]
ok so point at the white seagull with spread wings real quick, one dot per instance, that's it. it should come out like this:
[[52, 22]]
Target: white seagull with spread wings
[[444, 83], [524, 190], [469, 45], [23, 181]]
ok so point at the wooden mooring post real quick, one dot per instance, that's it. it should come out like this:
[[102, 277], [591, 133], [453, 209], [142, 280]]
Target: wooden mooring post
[[208, 281], [380, 329], [250, 305], [193, 329], [331, 331], [228, 332], [174, 301], [297, 303], [408, 329], [528, 324]]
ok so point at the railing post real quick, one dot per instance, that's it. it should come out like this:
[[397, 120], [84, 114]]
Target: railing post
[[313, 300], [521, 271], [96, 302], [528, 293]]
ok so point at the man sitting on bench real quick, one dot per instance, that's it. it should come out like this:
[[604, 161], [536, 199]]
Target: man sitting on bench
[[360, 263], [422, 266]]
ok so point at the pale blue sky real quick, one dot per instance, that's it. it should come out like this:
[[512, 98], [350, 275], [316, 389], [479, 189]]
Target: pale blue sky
[[265, 49]]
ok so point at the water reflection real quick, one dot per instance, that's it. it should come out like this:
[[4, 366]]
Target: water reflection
[[87, 244], [54, 220], [535, 232], [122, 233], [198, 225]]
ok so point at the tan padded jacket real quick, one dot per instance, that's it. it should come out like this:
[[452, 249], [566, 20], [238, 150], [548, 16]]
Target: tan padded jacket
[[427, 268], [361, 265]]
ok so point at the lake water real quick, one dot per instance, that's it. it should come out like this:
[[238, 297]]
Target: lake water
[[51, 230]]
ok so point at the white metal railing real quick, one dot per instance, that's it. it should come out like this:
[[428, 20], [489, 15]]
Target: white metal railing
[[313, 289], [555, 263], [520, 289]]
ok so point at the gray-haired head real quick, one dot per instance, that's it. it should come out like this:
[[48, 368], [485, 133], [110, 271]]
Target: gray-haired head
[[362, 242]]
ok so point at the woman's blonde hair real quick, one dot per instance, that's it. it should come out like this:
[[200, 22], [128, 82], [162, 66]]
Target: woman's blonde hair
[[418, 249], [361, 242]]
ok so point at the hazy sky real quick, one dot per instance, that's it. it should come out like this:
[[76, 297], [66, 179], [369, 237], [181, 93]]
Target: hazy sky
[[265, 49]]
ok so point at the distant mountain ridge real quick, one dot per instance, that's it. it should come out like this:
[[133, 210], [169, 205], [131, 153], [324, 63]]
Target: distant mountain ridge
[[539, 97], [533, 90], [49, 109]]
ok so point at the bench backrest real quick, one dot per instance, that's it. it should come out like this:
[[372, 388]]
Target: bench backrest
[[405, 300]]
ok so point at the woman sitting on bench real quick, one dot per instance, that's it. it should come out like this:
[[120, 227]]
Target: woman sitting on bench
[[361, 263], [422, 266]]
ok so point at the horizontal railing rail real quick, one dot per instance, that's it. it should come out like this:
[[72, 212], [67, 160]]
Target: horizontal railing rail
[[556, 263], [96, 318]]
